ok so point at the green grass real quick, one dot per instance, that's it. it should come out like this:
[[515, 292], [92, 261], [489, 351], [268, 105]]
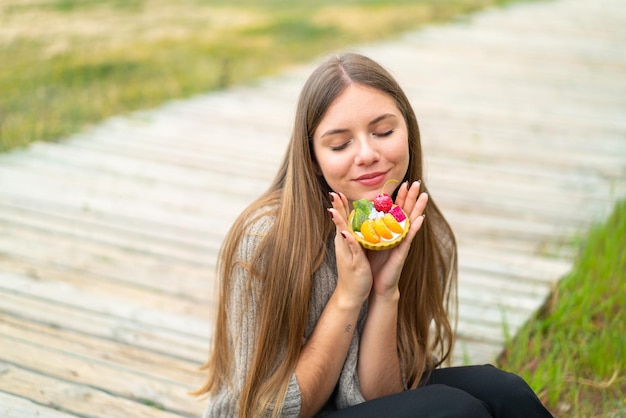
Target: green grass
[[67, 64], [574, 352]]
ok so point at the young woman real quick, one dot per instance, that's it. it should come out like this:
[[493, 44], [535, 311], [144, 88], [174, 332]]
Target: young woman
[[310, 323]]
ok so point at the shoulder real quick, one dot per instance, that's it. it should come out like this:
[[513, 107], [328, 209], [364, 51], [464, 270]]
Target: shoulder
[[255, 227], [260, 221]]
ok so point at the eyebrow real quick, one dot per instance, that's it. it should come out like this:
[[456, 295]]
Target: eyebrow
[[372, 122]]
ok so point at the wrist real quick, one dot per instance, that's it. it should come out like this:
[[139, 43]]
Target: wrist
[[391, 295], [346, 301]]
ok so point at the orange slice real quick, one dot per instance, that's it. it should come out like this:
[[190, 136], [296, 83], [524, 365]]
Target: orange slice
[[392, 224], [382, 243], [369, 231], [381, 229]]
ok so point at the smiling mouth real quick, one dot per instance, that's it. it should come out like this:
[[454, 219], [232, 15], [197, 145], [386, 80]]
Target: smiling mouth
[[369, 176], [371, 179]]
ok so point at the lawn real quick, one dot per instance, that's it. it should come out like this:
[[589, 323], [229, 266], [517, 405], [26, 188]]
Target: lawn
[[574, 352], [67, 64]]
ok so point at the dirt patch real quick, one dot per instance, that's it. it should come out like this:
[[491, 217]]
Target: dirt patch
[[336, 16], [156, 19]]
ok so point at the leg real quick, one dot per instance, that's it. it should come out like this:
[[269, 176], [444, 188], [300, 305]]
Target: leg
[[432, 401], [505, 394]]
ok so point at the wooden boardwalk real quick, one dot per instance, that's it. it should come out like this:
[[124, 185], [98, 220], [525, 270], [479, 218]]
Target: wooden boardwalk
[[108, 240]]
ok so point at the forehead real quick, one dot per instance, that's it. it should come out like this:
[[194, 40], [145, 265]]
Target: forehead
[[359, 103]]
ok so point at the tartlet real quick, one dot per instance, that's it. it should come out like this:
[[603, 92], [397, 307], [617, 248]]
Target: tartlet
[[378, 225], [383, 243]]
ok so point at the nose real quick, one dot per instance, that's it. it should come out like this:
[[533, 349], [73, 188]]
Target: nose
[[367, 153]]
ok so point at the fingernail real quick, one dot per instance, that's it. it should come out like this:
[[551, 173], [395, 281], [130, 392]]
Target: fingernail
[[343, 234], [330, 212], [332, 198]]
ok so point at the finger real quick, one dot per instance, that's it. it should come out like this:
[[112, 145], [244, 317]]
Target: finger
[[420, 206], [416, 218], [416, 225], [345, 205], [339, 221], [349, 251], [352, 243], [338, 204], [411, 197], [401, 195], [341, 243]]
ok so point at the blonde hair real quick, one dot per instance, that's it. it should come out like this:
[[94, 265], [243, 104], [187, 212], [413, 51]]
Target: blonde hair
[[298, 196]]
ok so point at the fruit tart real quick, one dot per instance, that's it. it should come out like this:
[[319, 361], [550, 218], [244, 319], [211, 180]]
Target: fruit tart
[[378, 225]]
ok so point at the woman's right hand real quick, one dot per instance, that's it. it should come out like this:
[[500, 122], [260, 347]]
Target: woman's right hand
[[354, 281]]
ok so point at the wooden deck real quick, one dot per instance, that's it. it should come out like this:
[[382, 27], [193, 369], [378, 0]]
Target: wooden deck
[[108, 240]]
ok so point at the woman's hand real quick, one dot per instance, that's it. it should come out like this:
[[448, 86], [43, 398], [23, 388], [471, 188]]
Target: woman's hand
[[353, 268], [386, 266]]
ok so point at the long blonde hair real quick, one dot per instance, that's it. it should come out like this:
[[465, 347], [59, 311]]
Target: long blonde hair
[[296, 246]]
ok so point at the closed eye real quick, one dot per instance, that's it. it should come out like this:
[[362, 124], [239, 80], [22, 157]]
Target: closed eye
[[384, 134], [340, 147]]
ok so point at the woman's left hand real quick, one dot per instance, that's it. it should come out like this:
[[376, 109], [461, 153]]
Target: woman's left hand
[[387, 265]]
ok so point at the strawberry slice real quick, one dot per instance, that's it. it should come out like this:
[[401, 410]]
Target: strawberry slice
[[397, 213]]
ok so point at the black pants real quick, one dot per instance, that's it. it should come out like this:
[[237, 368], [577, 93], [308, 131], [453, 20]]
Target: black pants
[[457, 392]]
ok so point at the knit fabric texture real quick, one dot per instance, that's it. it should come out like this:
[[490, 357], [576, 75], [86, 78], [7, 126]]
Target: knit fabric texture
[[242, 326]]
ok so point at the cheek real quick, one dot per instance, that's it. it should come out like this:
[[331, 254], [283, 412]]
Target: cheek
[[333, 168], [330, 168], [399, 153]]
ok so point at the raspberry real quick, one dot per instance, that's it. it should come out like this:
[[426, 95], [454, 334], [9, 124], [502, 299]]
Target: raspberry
[[383, 203]]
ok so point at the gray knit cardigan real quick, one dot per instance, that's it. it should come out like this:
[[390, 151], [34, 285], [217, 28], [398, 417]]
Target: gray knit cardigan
[[242, 328]]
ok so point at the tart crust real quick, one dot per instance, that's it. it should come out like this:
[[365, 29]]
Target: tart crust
[[383, 244]]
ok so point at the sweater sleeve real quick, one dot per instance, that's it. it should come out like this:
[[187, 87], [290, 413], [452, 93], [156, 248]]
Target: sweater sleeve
[[243, 328]]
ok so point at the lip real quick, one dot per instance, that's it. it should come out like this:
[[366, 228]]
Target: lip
[[371, 179]]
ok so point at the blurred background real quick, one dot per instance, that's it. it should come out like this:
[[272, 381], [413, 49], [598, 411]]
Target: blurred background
[[66, 64], [132, 132]]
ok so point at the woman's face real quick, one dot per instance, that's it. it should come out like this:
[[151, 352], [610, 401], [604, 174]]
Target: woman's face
[[361, 142]]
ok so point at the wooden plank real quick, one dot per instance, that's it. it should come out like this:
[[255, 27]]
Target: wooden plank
[[12, 406], [516, 266], [498, 317], [221, 145], [160, 242], [82, 296], [109, 298], [480, 296], [504, 284], [106, 327], [183, 228], [80, 400], [200, 211], [95, 261], [511, 177], [61, 161], [469, 351], [125, 194], [104, 376], [163, 366]]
